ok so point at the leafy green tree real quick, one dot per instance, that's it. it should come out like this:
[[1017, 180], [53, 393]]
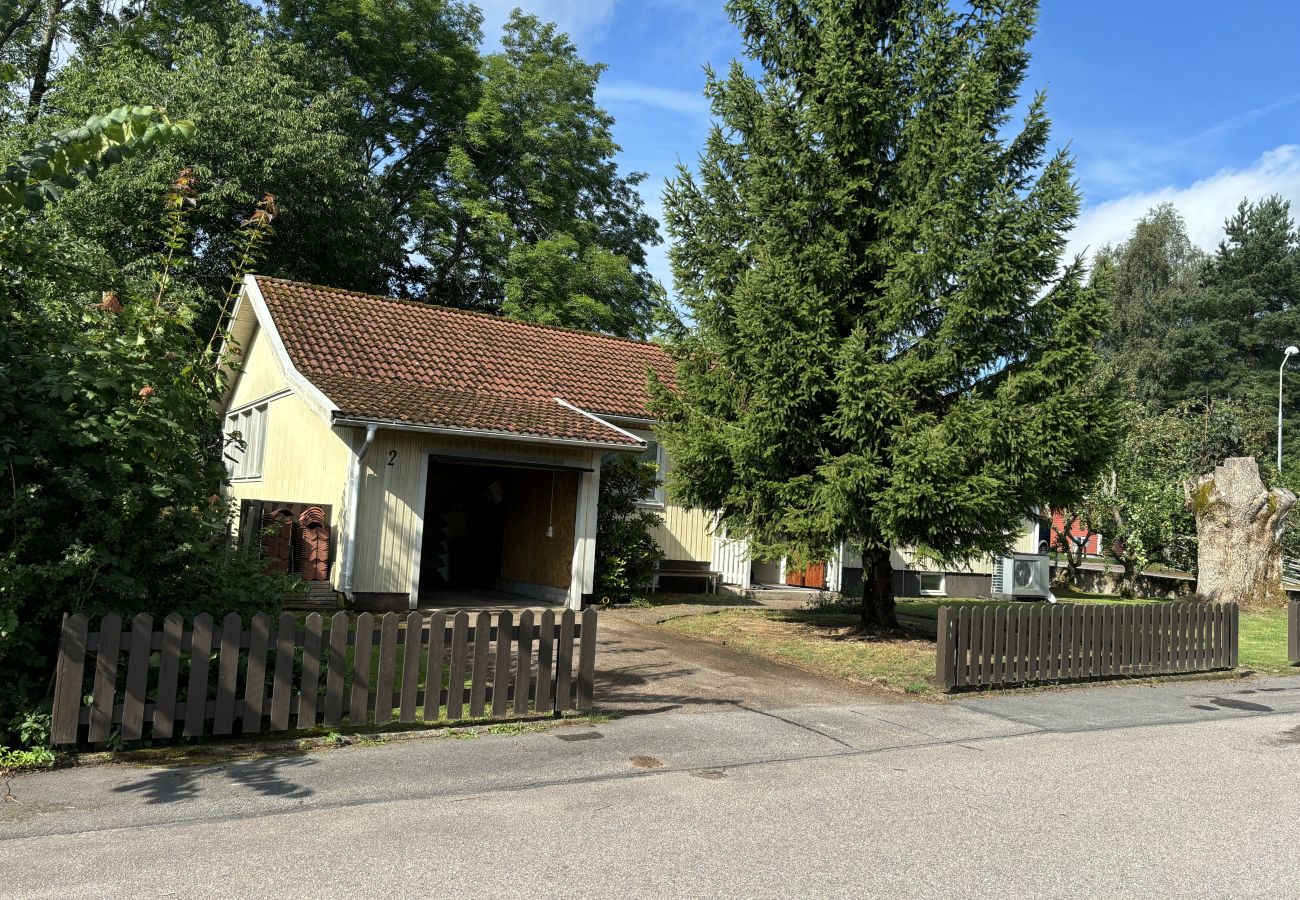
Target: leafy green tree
[[111, 457], [535, 220], [1138, 504], [889, 351], [262, 129], [626, 552], [1150, 280]]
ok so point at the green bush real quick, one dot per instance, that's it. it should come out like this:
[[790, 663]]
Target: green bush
[[626, 552]]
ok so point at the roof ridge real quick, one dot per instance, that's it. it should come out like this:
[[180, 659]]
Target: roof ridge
[[410, 301]]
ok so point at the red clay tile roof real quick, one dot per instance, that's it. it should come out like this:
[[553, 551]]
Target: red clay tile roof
[[381, 358]]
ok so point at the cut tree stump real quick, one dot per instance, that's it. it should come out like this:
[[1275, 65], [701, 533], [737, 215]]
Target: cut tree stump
[[1239, 530]]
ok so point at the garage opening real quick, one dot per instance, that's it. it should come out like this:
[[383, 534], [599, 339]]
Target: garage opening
[[496, 532]]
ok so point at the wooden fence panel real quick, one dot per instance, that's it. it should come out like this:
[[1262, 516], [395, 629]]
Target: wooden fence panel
[[997, 645], [105, 691], [435, 668], [169, 670], [501, 666], [456, 679], [1293, 631], [478, 680], [71, 663], [268, 678], [359, 704], [196, 690], [227, 674], [524, 664], [137, 676], [336, 669], [564, 664], [309, 684], [387, 669], [412, 642], [282, 678]]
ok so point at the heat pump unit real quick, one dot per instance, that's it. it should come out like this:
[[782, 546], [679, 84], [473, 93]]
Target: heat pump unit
[[1023, 576]]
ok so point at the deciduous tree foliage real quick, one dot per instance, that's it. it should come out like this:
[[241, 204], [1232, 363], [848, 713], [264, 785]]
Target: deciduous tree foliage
[[889, 350]]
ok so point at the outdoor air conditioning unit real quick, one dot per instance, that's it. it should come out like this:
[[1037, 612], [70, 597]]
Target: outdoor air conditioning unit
[[1023, 576]]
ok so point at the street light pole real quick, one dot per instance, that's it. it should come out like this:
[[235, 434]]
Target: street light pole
[[1286, 355]]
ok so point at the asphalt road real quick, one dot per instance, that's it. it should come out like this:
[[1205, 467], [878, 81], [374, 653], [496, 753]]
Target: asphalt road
[[1187, 789]]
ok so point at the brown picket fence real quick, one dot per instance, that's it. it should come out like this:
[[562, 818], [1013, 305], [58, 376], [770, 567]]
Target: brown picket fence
[[984, 646], [278, 675], [1293, 631]]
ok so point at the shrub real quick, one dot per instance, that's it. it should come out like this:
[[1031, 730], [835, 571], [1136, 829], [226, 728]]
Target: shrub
[[626, 552]]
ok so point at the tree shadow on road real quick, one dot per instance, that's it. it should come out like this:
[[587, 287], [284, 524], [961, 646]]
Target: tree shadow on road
[[266, 777]]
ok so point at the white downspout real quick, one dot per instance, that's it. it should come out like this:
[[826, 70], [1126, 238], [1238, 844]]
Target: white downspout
[[350, 525]]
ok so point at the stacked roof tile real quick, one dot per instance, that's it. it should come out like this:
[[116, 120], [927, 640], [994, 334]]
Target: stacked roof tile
[[403, 361]]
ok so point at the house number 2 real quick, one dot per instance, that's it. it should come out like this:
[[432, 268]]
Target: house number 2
[[392, 457]]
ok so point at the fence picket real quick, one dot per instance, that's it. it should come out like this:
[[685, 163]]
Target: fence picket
[[545, 648], [478, 680], [412, 644], [999, 648], [587, 661], [1233, 612], [944, 639], [227, 674], [962, 662], [456, 680], [387, 669], [976, 675], [1293, 631], [282, 679], [362, 645], [105, 690], [524, 661], [70, 672], [169, 670], [434, 669], [196, 691], [259, 636], [336, 664], [564, 664], [137, 677], [501, 665], [309, 685], [1022, 644]]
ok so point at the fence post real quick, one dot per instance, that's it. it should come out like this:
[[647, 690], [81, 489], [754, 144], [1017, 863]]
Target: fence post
[[944, 671]]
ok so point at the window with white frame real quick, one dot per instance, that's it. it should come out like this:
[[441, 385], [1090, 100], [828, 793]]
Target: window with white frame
[[245, 443], [932, 584], [654, 453]]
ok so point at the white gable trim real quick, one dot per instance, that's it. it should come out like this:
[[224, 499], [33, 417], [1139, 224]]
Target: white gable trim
[[595, 418], [311, 395]]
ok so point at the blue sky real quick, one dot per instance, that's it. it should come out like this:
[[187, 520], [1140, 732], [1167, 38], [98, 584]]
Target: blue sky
[[1183, 100]]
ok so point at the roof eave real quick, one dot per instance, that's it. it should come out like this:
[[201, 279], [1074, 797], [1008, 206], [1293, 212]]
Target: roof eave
[[489, 434]]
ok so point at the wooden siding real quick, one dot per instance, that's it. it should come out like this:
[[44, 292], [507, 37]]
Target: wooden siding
[[1026, 542], [388, 511], [261, 375], [528, 555], [686, 534], [304, 460]]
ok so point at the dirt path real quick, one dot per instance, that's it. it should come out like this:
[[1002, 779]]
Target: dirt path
[[641, 668]]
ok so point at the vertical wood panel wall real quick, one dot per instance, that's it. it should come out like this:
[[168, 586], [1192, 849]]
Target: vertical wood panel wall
[[1293, 631], [985, 646], [278, 674]]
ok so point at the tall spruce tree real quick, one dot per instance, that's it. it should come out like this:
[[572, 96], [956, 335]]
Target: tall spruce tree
[[889, 350]]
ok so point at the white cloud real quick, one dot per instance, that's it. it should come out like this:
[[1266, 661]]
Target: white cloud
[[583, 20], [687, 103], [1204, 204]]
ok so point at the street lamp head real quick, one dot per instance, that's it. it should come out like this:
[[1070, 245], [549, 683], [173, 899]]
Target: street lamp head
[[1291, 351]]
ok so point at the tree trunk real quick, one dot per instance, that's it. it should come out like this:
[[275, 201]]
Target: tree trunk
[[1239, 530], [877, 590], [44, 58]]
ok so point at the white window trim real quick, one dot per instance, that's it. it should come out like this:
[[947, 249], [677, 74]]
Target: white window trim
[[659, 500], [943, 584], [254, 443]]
